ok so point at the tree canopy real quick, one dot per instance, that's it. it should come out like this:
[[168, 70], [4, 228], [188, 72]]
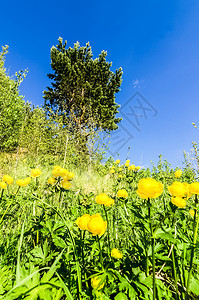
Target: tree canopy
[[11, 106], [83, 88]]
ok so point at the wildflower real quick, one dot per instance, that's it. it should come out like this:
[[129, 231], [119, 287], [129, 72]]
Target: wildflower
[[23, 182], [82, 221], [137, 168], [131, 167], [96, 225], [120, 176], [70, 175], [66, 184], [122, 193], [112, 171], [127, 164], [35, 173], [178, 201], [3, 185], [149, 188], [51, 180], [60, 172], [191, 211], [117, 161], [178, 173], [128, 161], [178, 189], [96, 283], [8, 179], [194, 188], [116, 253], [120, 169], [104, 199]]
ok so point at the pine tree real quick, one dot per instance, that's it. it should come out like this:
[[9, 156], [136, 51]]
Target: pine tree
[[83, 89]]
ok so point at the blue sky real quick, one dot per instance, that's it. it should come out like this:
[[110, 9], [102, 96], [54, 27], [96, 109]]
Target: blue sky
[[155, 42]]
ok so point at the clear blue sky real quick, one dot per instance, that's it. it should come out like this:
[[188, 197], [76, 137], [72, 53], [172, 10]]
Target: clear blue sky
[[155, 42]]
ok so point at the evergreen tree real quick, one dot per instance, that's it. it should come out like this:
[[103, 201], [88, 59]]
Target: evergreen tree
[[83, 89]]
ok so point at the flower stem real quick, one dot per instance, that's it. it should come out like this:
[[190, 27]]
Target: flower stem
[[153, 248], [108, 230], [195, 232]]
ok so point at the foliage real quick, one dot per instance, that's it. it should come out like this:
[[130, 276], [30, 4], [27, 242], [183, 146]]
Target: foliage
[[45, 254], [11, 106], [83, 91]]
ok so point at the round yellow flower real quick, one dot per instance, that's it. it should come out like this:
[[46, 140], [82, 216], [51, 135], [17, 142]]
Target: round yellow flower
[[112, 171], [137, 168], [51, 180], [178, 173], [194, 188], [82, 221], [35, 173], [149, 188], [3, 185], [104, 199], [122, 193], [96, 225], [70, 175], [8, 179], [191, 211], [23, 182], [95, 282], [120, 169], [128, 161], [178, 201], [66, 184], [116, 253], [127, 164], [117, 161], [178, 189], [131, 167], [120, 175]]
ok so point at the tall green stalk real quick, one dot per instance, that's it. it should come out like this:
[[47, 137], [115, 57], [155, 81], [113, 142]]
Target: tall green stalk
[[195, 232], [153, 248], [108, 230]]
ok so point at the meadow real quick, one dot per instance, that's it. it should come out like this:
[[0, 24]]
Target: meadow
[[106, 231]]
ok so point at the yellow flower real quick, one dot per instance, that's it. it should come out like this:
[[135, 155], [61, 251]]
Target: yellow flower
[[104, 199], [122, 193], [96, 225], [96, 283], [178, 189], [51, 180], [112, 171], [178, 173], [82, 221], [70, 175], [35, 172], [127, 164], [116, 253], [66, 184], [3, 185], [8, 179], [194, 188], [120, 176], [59, 171], [23, 182], [117, 161], [128, 161], [191, 211], [137, 168], [131, 167], [149, 188], [120, 169], [178, 201]]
